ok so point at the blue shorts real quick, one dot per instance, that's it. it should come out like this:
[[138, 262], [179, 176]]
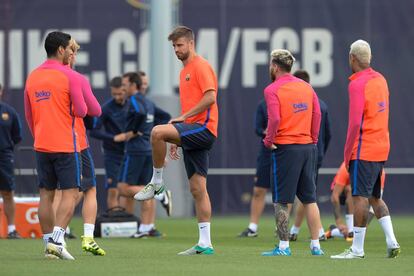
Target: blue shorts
[[196, 141], [365, 178], [113, 162], [293, 173], [263, 168], [88, 179], [6, 171], [136, 170], [59, 170]]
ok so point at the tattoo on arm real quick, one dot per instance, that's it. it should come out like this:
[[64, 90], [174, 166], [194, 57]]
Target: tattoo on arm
[[282, 221], [337, 212]]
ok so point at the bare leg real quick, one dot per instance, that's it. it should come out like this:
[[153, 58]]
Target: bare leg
[[112, 199], [147, 211], [66, 207], [313, 218], [46, 212], [257, 204], [282, 220], [360, 211], [90, 206], [300, 214], [160, 135], [198, 188], [9, 206], [128, 204]]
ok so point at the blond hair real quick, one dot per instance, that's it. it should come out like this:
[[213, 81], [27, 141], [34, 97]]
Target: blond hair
[[283, 58], [74, 45], [361, 50]]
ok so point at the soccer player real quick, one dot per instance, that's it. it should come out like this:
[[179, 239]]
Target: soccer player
[[195, 130], [88, 181], [136, 169], [113, 120], [10, 135], [294, 118], [262, 178], [53, 101], [323, 143], [366, 148]]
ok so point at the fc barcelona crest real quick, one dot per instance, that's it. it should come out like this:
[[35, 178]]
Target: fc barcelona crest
[[187, 77]]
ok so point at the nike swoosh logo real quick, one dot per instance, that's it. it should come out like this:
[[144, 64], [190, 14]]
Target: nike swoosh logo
[[199, 252], [202, 227]]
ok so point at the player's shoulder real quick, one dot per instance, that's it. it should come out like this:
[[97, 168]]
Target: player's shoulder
[[8, 108]]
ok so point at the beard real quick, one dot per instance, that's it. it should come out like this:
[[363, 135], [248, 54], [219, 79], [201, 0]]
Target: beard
[[272, 74], [182, 56]]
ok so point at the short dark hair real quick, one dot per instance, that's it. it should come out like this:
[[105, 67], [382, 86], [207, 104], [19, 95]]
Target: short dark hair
[[54, 40], [133, 77], [142, 73], [303, 75], [181, 31], [116, 82]]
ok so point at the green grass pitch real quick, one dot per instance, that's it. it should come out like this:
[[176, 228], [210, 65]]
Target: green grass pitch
[[234, 256]]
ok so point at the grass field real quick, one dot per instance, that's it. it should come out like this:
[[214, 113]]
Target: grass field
[[234, 256]]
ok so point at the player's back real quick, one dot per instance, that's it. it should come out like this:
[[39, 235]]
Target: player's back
[[48, 91]]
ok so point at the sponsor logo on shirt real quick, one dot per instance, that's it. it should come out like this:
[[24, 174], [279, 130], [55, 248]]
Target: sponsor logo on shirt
[[298, 107], [42, 95], [150, 118], [187, 77], [5, 116], [381, 106]]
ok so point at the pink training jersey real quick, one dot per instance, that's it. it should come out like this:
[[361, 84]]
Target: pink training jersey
[[53, 99], [294, 114], [368, 136]]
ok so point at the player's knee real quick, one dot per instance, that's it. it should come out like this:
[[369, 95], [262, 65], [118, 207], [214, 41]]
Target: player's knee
[[334, 199], [7, 195], [258, 194], [157, 133]]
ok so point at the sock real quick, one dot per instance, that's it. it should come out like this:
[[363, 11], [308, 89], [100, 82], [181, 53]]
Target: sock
[[321, 232], [253, 226], [46, 238], [386, 226], [11, 228], [68, 230], [294, 230], [204, 234], [157, 176], [88, 229], [315, 243], [358, 242], [283, 245], [151, 226], [336, 233], [349, 218], [144, 227], [58, 234], [161, 198]]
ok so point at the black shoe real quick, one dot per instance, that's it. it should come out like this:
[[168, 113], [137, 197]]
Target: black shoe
[[153, 233], [248, 233], [323, 238], [293, 237], [70, 236], [167, 202], [13, 235]]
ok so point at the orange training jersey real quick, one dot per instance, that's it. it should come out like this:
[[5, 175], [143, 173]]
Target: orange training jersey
[[196, 78], [53, 97]]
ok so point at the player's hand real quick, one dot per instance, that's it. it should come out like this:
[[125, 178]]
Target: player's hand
[[273, 147], [121, 137], [174, 155], [179, 119]]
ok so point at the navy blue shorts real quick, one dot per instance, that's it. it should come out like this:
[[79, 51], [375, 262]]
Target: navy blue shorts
[[6, 172], [293, 173], [113, 162], [136, 170], [59, 170], [365, 178], [263, 168], [196, 141], [88, 179]]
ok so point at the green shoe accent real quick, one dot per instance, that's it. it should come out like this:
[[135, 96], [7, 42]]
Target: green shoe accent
[[393, 252], [89, 245], [197, 250]]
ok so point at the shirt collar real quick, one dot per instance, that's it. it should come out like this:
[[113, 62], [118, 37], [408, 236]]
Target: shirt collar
[[356, 75]]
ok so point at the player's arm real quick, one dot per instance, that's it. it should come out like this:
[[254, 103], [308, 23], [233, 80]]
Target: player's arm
[[28, 112], [160, 116], [273, 116], [316, 118], [260, 121], [94, 109], [16, 130], [136, 116], [336, 193], [97, 132], [208, 99], [80, 108], [328, 131], [356, 110]]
